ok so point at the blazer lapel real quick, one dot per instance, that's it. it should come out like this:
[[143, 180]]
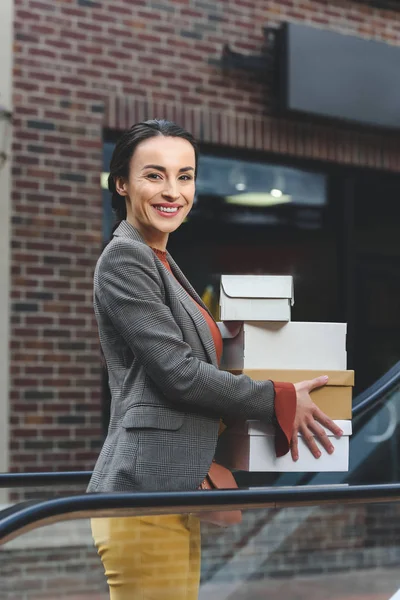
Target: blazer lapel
[[183, 291]]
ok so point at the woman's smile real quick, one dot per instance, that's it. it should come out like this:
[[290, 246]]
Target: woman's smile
[[167, 210]]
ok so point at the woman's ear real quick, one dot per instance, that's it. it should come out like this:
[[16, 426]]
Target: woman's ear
[[120, 186]]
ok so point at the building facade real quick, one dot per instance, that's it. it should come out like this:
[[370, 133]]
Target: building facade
[[6, 37], [83, 70]]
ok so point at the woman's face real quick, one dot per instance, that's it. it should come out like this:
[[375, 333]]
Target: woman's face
[[160, 189]]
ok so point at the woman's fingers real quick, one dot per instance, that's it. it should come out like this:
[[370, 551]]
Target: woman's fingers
[[309, 419], [317, 382], [309, 439], [313, 432], [321, 436], [325, 421]]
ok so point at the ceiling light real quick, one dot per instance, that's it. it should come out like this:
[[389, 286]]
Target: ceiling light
[[257, 199]]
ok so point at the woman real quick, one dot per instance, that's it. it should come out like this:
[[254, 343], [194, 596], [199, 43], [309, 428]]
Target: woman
[[162, 350]]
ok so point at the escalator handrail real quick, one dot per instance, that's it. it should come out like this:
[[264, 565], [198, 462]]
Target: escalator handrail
[[28, 516], [44, 479], [369, 397]]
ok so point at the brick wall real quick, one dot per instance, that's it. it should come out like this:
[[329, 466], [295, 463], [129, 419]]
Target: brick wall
[[79, 66]]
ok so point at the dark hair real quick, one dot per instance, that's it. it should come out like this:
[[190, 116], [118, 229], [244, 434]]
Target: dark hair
[[125, 148]]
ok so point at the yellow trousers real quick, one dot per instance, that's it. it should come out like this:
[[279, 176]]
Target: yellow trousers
[[150, 558]]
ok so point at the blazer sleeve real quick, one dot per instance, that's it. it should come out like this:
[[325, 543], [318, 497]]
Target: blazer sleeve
[[130, 291]]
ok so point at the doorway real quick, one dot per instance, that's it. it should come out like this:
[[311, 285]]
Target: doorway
[[376, 287]]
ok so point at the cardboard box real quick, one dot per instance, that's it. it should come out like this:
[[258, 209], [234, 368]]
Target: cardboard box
[[292, 345], [256, 298], [251, 447], [334, 398]]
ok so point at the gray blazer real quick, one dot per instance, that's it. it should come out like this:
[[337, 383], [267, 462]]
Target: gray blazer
[[167, 392]]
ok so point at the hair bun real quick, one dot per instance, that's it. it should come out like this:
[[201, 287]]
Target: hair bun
[[111, 185]]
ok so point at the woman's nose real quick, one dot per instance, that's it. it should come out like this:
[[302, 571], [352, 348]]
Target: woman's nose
[[171, 190]]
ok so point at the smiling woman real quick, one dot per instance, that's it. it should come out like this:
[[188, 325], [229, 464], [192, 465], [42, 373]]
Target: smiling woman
[[162, 349], [162, 191], [154, 190]]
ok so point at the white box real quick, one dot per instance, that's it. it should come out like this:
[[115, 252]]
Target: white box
[[292, 345], [252, 448], [256, 298]]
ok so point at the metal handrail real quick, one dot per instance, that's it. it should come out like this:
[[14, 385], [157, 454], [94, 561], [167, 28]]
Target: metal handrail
[[22, 518], [369, 397], [43, 479]]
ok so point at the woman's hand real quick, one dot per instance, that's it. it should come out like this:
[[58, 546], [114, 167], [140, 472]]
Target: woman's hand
[[309, 418]]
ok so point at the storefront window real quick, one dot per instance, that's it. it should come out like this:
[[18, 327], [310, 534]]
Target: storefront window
[[245, 193]]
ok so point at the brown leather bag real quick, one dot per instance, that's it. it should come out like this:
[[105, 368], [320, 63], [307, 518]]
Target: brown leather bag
[[220, 478]]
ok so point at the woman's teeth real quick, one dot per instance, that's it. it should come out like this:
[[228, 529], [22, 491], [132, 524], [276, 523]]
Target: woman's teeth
[[165, 209]]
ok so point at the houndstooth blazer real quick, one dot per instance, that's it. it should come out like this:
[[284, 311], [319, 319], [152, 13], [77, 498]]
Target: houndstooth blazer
[[168, 394]]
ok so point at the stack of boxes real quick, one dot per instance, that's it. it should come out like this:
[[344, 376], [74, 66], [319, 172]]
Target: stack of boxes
[[260, 340]]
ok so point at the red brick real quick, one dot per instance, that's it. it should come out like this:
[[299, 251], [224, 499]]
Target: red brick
[[27, 160], [74, 34], [38, 320], [55, 408], [39, 370], [74, 12], [39, 344], [42, 76], [72, 298], [24, 433], [42, 53], [28, 111], [40, 246], [92, 73], [73, 322], [25, 258], [55, 433], [24, 357], [41, 100], [56, 382], [72, 395], [39, 271], [95, 96], [56, 456], [91, 432], [25, 15], [24, 382], [58, 187], [24, 457], [58, 91], [40, 173], [56, 115]]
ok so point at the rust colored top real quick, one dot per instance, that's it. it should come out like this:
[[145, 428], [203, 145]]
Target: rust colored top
[[285, 393], [214, 330]]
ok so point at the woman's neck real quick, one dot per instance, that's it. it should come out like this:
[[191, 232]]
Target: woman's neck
[[152, 237]]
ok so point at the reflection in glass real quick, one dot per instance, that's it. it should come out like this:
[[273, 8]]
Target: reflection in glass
[[333, 552]]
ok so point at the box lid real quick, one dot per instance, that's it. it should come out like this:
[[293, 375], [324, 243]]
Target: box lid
[[258, 286], [335, 378], [259, 428]]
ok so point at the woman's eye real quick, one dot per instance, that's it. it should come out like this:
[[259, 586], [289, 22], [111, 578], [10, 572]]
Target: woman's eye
[[153, 176], [186, 178]]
